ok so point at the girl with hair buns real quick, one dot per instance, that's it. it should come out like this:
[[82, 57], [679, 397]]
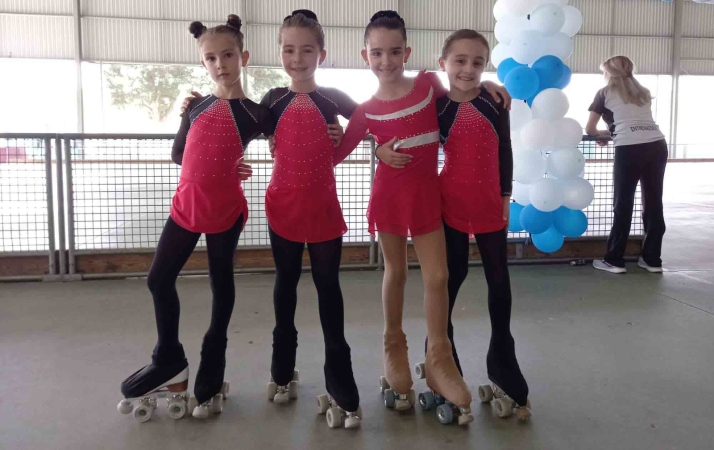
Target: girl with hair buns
[[405, 201], [640, 156], [209, 200]]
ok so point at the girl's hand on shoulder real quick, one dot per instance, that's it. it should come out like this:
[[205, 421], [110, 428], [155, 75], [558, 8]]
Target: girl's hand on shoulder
[[188, 100], [335, 131], [497, 92], [392, 158], [245, 171]]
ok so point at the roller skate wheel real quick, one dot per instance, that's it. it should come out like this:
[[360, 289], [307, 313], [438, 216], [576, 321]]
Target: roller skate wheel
[[177, 409], [485, 393], [296, 375], [216, 404], [293, 389], [445, 414], [124, 407], [402, 405], [353, 422], [225, 389], [272, 389], [426, 400], [281, 397], [465, 419], [383, 384], [192, 403], [389, 398], [334, 417], [503, 407], [200, 412], [323, 404], [142, 413], [420, 370]]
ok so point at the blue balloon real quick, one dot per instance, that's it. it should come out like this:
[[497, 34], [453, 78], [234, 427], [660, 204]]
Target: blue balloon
[[514, 223], [522, 82], [550, 70], [570, 222], [565, 79], [548, 242], [505, 68], [535, 221]]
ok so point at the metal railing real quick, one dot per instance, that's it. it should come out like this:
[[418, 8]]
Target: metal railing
[[113, 194]]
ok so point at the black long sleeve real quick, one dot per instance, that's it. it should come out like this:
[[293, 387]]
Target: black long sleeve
[[505, 153], [180, 139]]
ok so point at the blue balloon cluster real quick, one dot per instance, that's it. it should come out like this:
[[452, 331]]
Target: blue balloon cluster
[[548, 229], [525, 83]]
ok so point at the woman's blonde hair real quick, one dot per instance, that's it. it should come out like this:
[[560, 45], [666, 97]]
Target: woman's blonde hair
[[623, 83]]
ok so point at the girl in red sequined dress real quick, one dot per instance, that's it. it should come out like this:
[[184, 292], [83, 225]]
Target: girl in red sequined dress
[[405, 201], [303, 210], [209, 200]]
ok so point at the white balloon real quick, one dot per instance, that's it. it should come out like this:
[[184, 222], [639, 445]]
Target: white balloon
[[573, 20], [527, 46], [578, 193], [506, 28], [521, 193], [499, 9], [538, 135], [566, 163], [520, 114], [559, 45], [555, 2], [516, 144], [551, 104], [568, 133], [528, 167], [547, 195], [520, 7], [499, 53], [548, 19]]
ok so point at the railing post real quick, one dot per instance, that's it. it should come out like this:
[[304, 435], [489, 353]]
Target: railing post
[[52, 270], [60, 207], [70, 209]]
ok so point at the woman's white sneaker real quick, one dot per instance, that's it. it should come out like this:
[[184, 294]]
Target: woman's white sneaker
[[600, 264], [641, 262]]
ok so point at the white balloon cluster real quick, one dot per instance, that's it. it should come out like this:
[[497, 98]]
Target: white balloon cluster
[[529, 29], [709, 2], [534, 38]]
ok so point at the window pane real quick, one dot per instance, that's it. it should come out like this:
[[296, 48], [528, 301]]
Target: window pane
[[39, 95], [694, 135]]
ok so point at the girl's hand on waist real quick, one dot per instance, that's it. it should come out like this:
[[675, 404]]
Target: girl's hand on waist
[[245, 171], [335, 131], [392, 158]]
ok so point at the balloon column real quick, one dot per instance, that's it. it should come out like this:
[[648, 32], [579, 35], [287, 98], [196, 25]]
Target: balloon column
[[534, 39]]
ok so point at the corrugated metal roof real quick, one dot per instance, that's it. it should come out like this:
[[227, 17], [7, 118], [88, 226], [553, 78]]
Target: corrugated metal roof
[[37, 6], [29, 36], [588, 53], [698, 67], [597, 15], [698, 48], [448, 14], [330, 13], [644, 18], [213, 10], [698, 20], [650, 55], [129, 40]]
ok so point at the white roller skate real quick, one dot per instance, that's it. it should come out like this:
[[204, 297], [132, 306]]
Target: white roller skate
[[283, 394], [445, 410], [175, 391], [504, 406], [393, 399], [213, 406], [335, 415]]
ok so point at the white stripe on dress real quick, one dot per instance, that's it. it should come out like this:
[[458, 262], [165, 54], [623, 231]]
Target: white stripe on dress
[[417, 141], [404, 112]]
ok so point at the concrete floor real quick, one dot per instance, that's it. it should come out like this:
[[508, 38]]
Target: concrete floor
[[613, 361]]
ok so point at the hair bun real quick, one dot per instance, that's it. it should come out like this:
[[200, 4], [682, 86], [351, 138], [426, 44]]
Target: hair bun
[[387, 13], [305, 12], [234, 22], [196, 29]]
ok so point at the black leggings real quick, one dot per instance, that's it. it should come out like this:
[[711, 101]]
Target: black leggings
[[501, 362], [643, 163], [175, 246], [325, 261]]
